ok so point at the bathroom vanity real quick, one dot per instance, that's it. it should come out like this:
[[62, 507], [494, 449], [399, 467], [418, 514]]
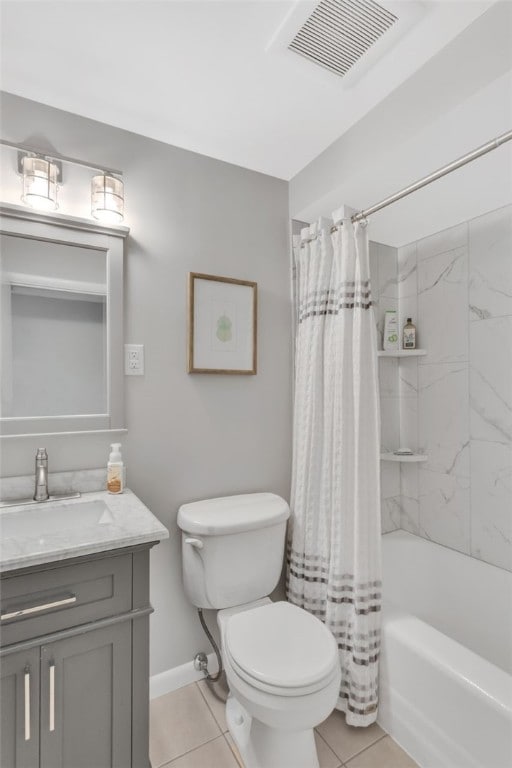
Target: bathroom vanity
[[74, 599], [75, 632]]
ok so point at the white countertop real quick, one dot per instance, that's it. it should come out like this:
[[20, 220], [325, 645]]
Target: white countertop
[[125, 523]]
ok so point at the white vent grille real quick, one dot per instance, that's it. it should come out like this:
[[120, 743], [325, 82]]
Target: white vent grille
[[339, 32]]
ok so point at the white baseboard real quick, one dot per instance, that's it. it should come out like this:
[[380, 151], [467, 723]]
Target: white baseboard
[[177, 677]]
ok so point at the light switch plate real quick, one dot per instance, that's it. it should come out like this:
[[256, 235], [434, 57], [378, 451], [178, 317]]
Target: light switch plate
[[134, 359]]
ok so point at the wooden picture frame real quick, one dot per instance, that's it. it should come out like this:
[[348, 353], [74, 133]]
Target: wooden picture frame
[[222, 325]]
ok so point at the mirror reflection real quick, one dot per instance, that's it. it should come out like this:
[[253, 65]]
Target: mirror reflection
[[53, 314]]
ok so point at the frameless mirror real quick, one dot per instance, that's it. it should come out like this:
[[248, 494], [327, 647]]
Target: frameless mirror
[[61, 326]]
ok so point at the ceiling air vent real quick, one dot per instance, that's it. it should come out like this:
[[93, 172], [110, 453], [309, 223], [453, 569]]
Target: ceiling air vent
[[339, 32]]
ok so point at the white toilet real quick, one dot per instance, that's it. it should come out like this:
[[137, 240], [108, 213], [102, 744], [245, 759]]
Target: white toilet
[[281, 662]]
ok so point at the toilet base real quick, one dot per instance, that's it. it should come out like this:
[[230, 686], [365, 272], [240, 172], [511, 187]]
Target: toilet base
[[264, 747]]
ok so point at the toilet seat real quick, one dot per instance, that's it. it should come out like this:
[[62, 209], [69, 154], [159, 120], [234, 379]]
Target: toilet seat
[[281, 649]]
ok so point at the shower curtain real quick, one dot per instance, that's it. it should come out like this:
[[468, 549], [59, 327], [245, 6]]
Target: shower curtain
[[334, 541]]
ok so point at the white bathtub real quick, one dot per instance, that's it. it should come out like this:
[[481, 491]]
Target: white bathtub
[[446, 665]]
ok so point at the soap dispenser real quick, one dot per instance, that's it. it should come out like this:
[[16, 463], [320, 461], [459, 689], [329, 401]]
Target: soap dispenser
[[115, 468]]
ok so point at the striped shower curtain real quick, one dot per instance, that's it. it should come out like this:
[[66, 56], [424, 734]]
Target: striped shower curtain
[[334, 541]]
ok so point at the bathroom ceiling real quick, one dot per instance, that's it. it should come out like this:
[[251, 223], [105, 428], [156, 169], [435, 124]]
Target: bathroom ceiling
[[214, 77]]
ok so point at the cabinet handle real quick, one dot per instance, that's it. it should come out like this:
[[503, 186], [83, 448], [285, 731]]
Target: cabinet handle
[[27, 703], [51, 708], [67, 600]]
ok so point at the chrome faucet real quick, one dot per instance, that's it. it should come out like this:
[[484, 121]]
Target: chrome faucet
[[41, 491]]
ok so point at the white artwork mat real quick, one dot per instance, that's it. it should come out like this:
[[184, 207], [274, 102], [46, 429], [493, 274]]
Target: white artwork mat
[[223, 325]]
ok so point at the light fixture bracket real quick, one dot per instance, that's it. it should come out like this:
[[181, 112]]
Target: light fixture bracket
[[57, 163]]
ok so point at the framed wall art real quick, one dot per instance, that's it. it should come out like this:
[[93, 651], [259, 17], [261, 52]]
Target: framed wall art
[[222, 325]]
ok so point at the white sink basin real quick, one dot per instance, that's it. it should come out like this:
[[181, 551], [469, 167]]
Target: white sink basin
[[50, 519], [32, 534]]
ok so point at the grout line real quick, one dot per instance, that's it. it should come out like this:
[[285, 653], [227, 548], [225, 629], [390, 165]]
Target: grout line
[[376, 742], [238, 759], [443, 253], [468, 393], [447, 546], [199, 746], [447, 362], [384, 734], [207, 704], [368, 746], [210, 708], [319, 735]]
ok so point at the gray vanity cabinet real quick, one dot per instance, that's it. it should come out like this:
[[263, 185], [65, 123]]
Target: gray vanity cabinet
[[19, 709], [75, 671], [86, 711]]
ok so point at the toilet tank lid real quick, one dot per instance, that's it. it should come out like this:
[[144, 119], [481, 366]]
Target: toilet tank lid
[[231, 514]]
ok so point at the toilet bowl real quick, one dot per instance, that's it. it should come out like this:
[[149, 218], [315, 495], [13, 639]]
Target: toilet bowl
[[281, 662], [283, 674]]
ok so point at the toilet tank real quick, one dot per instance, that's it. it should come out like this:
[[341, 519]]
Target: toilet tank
[[232, 548]]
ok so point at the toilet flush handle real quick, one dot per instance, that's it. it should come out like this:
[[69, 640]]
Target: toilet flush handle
[[197, 543]]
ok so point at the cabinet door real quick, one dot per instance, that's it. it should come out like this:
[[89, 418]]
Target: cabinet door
[[19, 708], [86, 700]]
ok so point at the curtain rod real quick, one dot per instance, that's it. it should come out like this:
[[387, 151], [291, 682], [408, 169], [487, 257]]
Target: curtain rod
[[482, 150]]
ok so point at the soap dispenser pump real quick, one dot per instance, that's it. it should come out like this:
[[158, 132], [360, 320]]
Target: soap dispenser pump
[[115, 468]]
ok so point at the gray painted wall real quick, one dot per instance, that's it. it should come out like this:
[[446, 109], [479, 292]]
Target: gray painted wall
[[190, 436]]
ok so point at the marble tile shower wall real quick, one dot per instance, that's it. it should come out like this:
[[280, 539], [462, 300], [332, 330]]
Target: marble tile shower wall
[[455, 404], [384, 278]]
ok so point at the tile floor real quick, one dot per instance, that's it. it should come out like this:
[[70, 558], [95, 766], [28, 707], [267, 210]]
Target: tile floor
[[188, 729]]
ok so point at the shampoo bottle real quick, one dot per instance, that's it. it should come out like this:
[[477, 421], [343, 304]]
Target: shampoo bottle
[[409, 340], [115, 469], [390, 339]]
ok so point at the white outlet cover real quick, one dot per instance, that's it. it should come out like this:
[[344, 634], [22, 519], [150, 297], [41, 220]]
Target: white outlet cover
[[134, 359]]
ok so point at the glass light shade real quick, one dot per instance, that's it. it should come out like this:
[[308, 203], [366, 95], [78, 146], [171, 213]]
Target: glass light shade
[[107, 199], [39, 183]]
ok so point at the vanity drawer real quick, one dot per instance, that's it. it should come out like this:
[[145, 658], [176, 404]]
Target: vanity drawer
[[41, 602]]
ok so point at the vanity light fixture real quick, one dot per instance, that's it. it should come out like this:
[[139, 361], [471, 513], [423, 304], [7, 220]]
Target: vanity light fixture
[[39, 179], [41, 172], [107, 198]]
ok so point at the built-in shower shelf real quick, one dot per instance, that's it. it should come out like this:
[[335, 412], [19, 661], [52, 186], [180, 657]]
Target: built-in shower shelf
[[388, 456], [401, 352]]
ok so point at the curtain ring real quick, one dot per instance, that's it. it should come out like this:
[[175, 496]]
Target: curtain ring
[[363, 220]]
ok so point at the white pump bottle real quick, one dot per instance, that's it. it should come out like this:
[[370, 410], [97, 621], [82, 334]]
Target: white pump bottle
[[115, 469]]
